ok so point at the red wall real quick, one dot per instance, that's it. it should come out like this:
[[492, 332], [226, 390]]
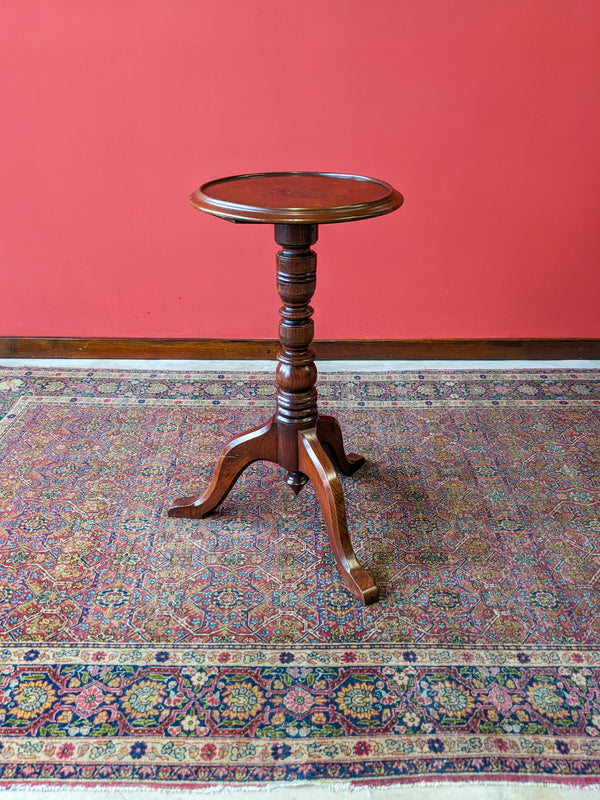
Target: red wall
[[484, 113]]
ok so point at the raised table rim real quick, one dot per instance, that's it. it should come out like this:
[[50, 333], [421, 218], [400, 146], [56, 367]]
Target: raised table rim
[[238, 212]]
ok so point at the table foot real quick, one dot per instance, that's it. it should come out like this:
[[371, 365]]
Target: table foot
[[330, 434], [315, 463], [254, 445]]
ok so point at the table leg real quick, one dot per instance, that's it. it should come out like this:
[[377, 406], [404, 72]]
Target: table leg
[[259, 444], [329, 433], [317, 466]]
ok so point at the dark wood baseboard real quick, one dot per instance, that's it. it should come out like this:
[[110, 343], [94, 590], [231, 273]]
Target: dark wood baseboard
[[325, 349]]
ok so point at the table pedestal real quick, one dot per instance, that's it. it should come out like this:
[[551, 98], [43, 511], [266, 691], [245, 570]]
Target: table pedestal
[[302, 441]]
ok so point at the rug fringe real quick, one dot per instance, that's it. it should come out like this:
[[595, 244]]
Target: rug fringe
[[316, 790]]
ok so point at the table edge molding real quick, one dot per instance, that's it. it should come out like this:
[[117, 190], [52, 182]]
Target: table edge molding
[[239, 212]]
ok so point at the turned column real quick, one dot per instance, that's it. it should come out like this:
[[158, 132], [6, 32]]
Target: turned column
[[296, 371]]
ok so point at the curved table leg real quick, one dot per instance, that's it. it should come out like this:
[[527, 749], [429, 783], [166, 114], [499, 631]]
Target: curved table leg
[[314, 462], [330, 434], [254, 445]]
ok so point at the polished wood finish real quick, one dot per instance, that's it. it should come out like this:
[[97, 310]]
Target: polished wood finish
[[329, 434], [315, 464], [259, 444], [296, 197], [296, 438], [325, 349]]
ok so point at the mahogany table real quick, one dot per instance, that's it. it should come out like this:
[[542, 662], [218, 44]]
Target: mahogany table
[[307, 444]]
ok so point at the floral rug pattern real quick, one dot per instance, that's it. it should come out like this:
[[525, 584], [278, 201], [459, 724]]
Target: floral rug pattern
[[145, 650]]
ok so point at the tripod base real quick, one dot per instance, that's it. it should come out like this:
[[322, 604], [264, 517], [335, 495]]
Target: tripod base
[[308, 454]]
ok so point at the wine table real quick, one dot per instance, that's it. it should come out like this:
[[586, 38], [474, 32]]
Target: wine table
[[308, 445]]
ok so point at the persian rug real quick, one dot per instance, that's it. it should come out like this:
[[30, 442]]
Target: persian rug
[[141, 650]]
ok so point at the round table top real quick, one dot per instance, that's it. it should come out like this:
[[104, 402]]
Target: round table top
[[296, 197]]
